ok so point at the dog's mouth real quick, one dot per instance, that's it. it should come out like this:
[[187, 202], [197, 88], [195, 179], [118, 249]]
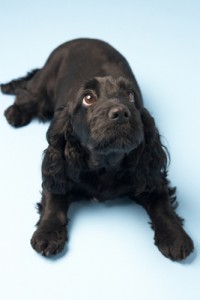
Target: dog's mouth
[[110, 129], [122, 138]]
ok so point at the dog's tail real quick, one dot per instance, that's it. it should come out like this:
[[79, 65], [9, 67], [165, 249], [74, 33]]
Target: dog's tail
[[13, 86]]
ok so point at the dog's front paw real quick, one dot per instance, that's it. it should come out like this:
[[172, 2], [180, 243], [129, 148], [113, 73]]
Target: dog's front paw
[[49, 241], [174, 244]]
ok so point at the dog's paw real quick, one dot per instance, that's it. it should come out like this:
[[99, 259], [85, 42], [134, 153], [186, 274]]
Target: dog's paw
[[49, 241], [8, 88], [16, 117], [174, 244]]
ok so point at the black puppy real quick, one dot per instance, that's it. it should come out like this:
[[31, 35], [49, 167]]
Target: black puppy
[[103, 143]]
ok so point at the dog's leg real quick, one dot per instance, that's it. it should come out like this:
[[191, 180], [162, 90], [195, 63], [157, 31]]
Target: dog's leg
[[30, 99], [170, 236], [51, 234], [19, 115]]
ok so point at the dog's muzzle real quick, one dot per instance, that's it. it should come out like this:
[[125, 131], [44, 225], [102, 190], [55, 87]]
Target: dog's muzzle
[[115, 128]]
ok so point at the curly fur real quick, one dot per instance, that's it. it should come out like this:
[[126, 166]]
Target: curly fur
[[106, 149]]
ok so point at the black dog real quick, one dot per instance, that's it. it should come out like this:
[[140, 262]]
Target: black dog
[[103, 143]]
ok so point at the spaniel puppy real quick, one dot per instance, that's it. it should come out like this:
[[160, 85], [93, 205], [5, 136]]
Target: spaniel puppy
[[103, 143]]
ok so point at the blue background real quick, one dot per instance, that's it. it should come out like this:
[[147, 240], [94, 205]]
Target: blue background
[[111, 255]]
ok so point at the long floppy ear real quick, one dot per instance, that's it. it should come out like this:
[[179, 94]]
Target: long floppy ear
[[153, 158], [158, 152], [61, 161]]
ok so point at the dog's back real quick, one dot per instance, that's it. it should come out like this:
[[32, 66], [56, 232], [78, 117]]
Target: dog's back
[[44, 90]]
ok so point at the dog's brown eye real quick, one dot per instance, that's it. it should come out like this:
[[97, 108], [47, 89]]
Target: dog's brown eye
[[89, 99], [131, 96]]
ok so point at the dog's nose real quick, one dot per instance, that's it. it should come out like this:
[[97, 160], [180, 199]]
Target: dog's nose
[[119, 113]]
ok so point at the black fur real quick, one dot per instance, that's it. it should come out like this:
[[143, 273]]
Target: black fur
[[103, 143]]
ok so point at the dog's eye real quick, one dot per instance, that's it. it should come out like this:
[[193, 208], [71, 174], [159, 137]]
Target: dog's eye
[[89, 99], [131, 96]]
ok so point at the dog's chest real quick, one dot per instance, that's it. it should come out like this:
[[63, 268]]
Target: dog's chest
[[105, 185]]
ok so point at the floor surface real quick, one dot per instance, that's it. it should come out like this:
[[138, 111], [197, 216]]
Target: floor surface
[[110, 255]]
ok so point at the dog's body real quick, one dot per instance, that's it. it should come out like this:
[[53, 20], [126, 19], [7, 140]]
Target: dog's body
[[103, 143]]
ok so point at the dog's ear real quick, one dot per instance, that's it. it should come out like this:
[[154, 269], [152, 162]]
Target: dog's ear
[[153, 157], [158, 152], [61, 163]]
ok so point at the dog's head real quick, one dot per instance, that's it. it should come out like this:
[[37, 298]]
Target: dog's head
[[106, 116]]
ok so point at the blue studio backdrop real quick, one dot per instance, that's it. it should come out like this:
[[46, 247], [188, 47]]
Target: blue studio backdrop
[[111, 255]]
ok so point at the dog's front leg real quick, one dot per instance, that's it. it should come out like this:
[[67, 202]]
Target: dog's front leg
[[51, 234], [170, 237]]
